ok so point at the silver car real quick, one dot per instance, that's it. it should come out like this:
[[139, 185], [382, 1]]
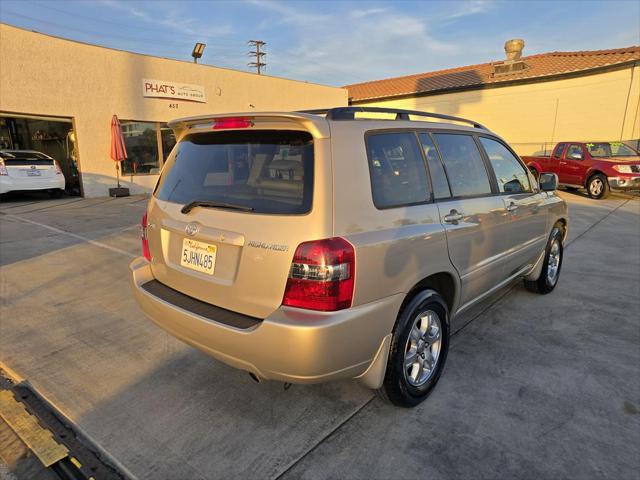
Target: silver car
[[314, 246]]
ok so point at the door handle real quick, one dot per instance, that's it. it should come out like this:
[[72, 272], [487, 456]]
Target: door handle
[[563, 163], [453, 217], [512, 207]]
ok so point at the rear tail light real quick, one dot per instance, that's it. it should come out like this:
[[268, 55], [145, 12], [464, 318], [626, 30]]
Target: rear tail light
[[322, 275], [3, 168], [232, 122], [57, 167], [146, 253]]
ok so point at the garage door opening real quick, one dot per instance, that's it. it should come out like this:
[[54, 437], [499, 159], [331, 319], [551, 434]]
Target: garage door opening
[[53, 136]]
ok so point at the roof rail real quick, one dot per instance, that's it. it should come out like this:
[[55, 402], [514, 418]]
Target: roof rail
[[349, 113]]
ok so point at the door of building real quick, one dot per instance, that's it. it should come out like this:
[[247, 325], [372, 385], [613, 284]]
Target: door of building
[[53, 136]]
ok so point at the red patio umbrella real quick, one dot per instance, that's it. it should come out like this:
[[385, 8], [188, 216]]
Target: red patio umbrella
[[118, 149]]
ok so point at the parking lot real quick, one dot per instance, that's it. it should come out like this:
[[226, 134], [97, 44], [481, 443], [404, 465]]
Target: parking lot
[[534, 387]]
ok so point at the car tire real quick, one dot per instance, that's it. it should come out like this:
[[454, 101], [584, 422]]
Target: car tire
[[552, 264], [55, 193], [598, 186], [421, 334], [534, 172]]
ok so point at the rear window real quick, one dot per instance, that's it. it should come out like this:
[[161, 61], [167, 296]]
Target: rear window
[[269, 171], [17, 157]]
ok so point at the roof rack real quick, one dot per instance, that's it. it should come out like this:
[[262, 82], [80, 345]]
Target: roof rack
[[349, 113]]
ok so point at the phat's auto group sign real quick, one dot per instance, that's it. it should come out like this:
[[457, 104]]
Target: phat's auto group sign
[[173, 90]]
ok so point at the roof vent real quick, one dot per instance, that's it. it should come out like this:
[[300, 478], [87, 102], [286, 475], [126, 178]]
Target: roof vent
[[513, 63]]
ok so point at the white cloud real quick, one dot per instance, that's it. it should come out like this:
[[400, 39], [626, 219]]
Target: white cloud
[[172, 18], [471, 7], [367, 12], [352, 45], [289, 12]]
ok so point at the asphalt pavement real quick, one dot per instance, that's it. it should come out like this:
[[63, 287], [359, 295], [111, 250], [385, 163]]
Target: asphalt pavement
[[534, 387]]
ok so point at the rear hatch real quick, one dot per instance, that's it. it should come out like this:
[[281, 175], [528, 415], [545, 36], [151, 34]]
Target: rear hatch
[[25, 164], [232, 205]]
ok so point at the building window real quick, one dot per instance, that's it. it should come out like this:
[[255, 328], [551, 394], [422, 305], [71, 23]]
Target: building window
[[148, 146], [168, 139]]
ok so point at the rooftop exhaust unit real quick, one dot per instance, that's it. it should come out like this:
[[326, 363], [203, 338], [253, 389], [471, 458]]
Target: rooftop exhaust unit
[[513, 63]]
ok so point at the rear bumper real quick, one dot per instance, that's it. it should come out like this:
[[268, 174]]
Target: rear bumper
[[291, 345], [10, 184], [624, 182]]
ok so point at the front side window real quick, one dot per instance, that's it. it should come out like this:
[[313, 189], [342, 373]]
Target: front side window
[[141, 142], [464, 165], [398, 175], [573, 150], [510, 174], [263, 171]]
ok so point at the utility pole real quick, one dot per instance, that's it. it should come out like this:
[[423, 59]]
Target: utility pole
[[257, 54]]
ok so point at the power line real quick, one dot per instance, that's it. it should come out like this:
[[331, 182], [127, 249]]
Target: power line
[[227, 52], [257, 54], [230, 51], [234, 43]]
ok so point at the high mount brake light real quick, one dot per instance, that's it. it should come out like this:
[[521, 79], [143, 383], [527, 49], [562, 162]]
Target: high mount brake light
[[322, 275], [232, 122], [146, 253]]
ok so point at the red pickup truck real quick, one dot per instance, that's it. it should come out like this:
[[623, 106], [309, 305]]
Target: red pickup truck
[[596, 166]]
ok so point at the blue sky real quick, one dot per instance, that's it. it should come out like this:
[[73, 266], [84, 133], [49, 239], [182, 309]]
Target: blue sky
[[335, 42]]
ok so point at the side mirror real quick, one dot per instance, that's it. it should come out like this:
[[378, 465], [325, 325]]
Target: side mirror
[[575, 156], [548, 182]]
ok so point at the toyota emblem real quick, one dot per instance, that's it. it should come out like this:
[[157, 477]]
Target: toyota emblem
[[191, 229]]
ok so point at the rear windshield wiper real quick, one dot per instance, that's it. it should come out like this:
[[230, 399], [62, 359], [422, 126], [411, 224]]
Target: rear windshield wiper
[[213, 204]]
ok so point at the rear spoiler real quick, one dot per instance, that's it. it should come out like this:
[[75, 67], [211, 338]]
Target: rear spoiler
[[316, 125]]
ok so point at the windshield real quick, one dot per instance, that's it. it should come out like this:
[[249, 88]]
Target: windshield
[[264, 171], [610, 149]]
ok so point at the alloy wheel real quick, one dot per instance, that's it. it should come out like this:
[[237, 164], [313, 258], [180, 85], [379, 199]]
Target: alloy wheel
[[422, 350], [553, 266]]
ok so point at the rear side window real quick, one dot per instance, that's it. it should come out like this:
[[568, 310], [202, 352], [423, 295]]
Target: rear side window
[[510, 174], [398, 175], [558, 150], [464, 165], [269, 171], [436, 170]]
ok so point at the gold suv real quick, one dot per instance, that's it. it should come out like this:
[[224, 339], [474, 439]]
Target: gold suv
[[313, 246]]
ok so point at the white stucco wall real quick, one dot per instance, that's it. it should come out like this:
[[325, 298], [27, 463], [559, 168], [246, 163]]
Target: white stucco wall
[[45, 75]]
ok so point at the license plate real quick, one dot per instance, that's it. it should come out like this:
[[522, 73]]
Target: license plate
[[34, 173], [198, 256]]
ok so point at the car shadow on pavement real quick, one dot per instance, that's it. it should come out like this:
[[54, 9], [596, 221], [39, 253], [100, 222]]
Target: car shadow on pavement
[[193, 417]]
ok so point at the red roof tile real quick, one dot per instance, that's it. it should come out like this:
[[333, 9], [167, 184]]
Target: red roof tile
[[537, 66]]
